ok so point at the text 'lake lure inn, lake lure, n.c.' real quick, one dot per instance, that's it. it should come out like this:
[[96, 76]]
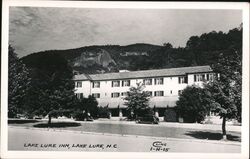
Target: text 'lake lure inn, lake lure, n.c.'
[[164, 86]]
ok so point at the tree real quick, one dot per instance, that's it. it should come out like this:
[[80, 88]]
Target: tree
[[52, 87], [18, 84], [137, 100], [88, 105], [226, 88], [193, 104], [168, 45]]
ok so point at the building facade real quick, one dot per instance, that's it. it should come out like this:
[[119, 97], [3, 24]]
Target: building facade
[[164, 85]]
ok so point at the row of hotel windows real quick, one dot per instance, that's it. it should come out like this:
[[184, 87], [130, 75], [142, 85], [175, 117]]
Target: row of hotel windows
[[149, 81], [203, 77], [117, 94], [126, 83]]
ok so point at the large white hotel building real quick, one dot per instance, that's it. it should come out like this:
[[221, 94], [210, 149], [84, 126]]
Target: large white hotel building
[[164, 85]]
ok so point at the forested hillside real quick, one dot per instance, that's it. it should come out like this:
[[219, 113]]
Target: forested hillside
[[199, 50]]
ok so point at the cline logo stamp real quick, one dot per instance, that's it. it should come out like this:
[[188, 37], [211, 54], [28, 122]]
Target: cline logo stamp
[[159, 146]]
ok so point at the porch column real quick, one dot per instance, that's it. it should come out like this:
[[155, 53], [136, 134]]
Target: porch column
[[156, 113]]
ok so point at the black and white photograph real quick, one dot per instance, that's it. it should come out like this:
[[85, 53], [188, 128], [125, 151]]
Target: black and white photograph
[[157, 78]]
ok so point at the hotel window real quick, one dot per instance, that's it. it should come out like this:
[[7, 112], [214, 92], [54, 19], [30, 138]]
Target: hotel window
[[203, 77], [158, 81], [78, 84], [180, 92], [125, 83], [79, 95], [199, 77], [159, 93], [115, 83], [115, 95], [182, 80], [210, 77], [147, 81], [124, 93], [96, 85], [96, 95]]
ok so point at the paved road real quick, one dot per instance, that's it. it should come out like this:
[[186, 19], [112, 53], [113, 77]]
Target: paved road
[[167, 130], [49, 140]]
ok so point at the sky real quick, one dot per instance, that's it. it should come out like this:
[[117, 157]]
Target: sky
[[33, 29]]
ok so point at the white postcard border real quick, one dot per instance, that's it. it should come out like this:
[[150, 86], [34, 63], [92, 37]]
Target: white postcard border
[[138, 5]]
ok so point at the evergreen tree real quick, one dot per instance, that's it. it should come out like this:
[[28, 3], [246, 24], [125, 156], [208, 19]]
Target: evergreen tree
[[52, 87], [18, 84]]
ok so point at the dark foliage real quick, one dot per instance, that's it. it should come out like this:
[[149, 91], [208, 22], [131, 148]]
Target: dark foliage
[[103, 112], [84, 106], [18, 84], [57, 125], [170, 115], [212, 135], [52, 87], [193, 104], [21, 121]]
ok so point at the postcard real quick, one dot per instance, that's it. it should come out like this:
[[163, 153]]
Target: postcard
[[96, 79]]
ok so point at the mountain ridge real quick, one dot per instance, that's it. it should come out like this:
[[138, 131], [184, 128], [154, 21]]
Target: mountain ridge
[[96, 58], [205, 49]]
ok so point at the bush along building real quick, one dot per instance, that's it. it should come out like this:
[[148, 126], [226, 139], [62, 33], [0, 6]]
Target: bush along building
[[164, 86]]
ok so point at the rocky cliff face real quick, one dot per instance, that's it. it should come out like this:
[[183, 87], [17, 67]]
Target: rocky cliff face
[[99, 59]]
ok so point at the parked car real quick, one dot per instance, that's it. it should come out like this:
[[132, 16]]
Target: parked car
[[21, 116], [84, 117], [37, 117], [148, 119]]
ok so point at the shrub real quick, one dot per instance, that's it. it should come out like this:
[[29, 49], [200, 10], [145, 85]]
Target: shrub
[[103, 112], [193, 105]]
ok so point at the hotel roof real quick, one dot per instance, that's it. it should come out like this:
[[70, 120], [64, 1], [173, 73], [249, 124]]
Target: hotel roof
[[145, 73]]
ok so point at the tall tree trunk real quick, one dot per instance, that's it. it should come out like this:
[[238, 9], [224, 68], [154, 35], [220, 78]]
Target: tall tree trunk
[[224, 128], [49, 122]]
